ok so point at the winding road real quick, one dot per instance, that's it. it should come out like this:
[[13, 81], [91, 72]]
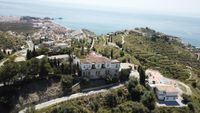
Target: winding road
[[67, 98], [93, 41]]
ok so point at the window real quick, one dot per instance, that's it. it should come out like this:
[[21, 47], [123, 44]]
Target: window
[[116, 65], [93, 66], [108, 65], [103, 66]]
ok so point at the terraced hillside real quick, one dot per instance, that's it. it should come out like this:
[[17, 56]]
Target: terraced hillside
[[171, 57], [155, 50]]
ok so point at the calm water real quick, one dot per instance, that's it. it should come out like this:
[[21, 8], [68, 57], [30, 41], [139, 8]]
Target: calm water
[[102, 22]]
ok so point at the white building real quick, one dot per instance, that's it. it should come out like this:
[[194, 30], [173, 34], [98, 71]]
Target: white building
[[97, 66], [164, 88], [48, 43], [166, 92]]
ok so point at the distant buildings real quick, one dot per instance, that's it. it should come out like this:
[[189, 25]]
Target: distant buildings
[[97, 66], [48, 43], [37, 25], [78, 34], [59, 46]]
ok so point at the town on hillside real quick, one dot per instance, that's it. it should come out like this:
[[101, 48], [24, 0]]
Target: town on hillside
[[45, 64]]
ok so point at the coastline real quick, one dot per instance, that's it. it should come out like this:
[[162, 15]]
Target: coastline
[[59, 21]]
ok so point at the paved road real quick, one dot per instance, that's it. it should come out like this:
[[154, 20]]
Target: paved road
[[67, 98], [3, 61]]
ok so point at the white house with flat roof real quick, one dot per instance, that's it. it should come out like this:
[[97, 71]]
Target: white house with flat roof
[[166, 92], [164, 88]]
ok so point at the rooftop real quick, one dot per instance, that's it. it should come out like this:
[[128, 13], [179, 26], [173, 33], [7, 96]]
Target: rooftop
[[127, 66], [77, 32], [167, 88], [94, 58]]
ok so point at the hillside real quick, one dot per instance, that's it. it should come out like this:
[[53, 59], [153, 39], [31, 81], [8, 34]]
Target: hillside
[[163, 53], [141, 46], [153, 50], [17, 24], [11, 41]]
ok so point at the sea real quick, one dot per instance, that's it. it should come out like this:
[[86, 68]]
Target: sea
[[102, 21]]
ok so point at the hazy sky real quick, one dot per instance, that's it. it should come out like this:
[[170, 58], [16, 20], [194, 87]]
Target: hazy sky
[[174, 7]]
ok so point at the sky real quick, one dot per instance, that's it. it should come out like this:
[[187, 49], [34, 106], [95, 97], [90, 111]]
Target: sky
[[173, 7]]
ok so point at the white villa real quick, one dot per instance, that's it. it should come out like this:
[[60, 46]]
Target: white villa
[[97, 66], [164, 88]]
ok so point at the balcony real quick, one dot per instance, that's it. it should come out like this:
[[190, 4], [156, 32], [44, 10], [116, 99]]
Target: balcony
[[93, 66]]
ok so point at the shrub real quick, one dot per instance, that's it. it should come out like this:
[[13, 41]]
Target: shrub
[[67, 81], [148, 99], [186, 98]]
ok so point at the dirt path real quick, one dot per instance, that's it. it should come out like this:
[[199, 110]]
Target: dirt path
[[104, 44], [67, 98], [93, 41], [123, 40], [186, 87]]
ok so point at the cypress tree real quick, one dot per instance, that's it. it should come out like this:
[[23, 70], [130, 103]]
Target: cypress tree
[[142, 75]]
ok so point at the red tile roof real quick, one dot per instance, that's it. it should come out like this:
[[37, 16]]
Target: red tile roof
[[94, 58]]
